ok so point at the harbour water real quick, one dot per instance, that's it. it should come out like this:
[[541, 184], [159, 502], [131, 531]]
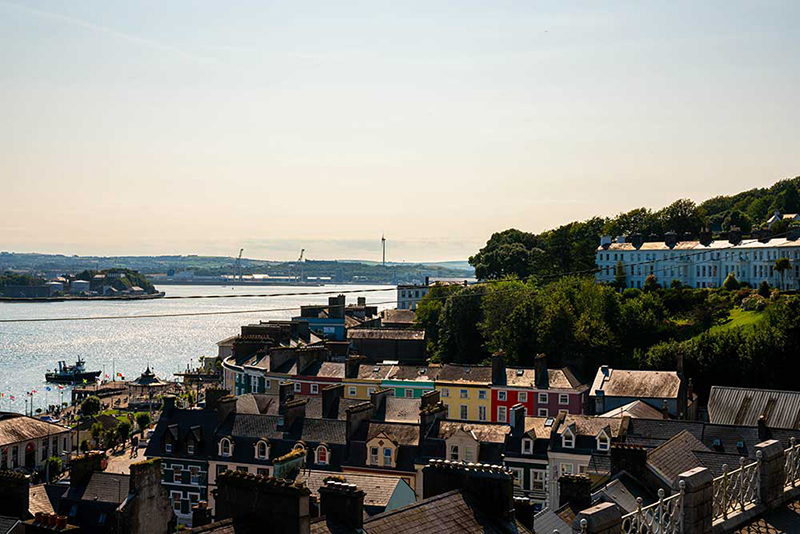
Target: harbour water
[[127, 346]]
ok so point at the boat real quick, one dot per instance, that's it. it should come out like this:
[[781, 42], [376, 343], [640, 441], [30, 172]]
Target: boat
[[72, 374]]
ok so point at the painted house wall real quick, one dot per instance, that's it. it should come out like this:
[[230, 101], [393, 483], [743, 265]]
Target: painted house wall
[[533, 404], [311, 386], [360, 389], [477, 396], [190, 491], [524, 485], [401, 386]]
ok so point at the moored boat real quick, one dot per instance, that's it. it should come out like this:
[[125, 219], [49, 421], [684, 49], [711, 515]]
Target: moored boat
[[71, 374]]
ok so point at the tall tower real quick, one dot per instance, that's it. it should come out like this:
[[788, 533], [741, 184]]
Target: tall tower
[[383, 247]]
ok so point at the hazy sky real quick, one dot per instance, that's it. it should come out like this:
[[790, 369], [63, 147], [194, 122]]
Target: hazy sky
[[199, 127]]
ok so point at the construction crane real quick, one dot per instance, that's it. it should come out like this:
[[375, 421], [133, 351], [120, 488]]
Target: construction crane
[[237, 268], [300, 264]]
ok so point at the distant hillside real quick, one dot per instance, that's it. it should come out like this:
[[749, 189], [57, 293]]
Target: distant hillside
[[571, 247]]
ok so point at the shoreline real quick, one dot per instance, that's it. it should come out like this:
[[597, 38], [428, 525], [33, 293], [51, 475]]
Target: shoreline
[[67, 298]]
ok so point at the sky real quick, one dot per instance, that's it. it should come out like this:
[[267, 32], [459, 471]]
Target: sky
[[203, 127]]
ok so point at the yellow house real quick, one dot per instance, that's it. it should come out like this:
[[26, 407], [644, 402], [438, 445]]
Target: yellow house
[[361, 381], [387, 449], [466, 391]]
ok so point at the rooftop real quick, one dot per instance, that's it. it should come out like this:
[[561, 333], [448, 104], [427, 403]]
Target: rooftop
[[744, 406], [641, 384], [378, 489], [485, 433], [15, 428], [637, 408], [386, 333]]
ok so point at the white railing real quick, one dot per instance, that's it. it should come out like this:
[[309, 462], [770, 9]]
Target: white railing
[[662, 517], [734, 490], [792, 466]]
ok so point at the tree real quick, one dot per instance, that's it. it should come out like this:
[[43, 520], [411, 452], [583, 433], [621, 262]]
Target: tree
[[54, 464], [143, 420], [90, 406], [731, 283], [763, 289], [428, 310], [650, 283], [123, 431], [676, 284], [507, 253], [460, 339], [84, 447], [681, 216], [638, 221], [110, 438], [738, 219], [781, 265], [97, 432], [620, 279]]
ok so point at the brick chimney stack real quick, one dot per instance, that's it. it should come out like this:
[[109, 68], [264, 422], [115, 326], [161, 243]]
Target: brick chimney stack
[[295, 411], [356, 415], [285, 394], [492, 484], [498, 369], [212, 397], [14, 494], [225, 407], [542, 376], [576, 489], [201, 514], [330, 400], [342, 504], [82, 467]]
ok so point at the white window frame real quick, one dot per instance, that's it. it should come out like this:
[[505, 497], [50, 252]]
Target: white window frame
[[388, 460], [454, 453], [563, 399], [527, 446], [266, 450], [502, 414], [172, 494], [317, 460], [445, 392], [192, 474], [297, 387], [568, 440], [482, 394], [167, 447], [314, 389], [481, 413], [374, 455], [502, 396], [543, 412], [603, 442], [469, 454], [463, 412], [352, 391], [567, 468], [522, 396], [222, 452], [409, 393], [190, 448], [538, 475], [463, 394], [519, 476], [544, 398]]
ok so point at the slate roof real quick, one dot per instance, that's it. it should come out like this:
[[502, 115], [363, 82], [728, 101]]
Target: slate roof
[[15, 428], [537, 427], [637, 408], [225, 526], [202, 422], [482, 432], [526, 377], [45, 497], [637, 384], [378, 489], [377, 371], [744, 406], [452, 512], [102, 487], [696, 245], [266, 426], [675, 456], [415, 372], [465, 374], [7, 524], [587, 425], [402, 334], [402, 434], [399, 317], [331, 370], [402, 410]]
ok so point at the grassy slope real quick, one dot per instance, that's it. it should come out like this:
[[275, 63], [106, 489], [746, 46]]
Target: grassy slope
[[738, 318]]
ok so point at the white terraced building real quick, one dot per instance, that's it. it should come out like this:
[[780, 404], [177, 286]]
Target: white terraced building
[[697, 264]]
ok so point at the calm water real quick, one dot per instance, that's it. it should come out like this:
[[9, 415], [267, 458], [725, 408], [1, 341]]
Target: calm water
[[28, 350]]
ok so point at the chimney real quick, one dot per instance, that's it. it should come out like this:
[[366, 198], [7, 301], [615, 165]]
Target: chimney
[[575, 489], [262, 504], [637, 240], [671, 239], [665, 410], [278, 357], [362, 301], [342, 504], [378, 400], [734, 235], [201, 514], [285, 394], [351, 366], [356, 415], [540, 372], [516, 419], [524, 511], [429, 398], [212, 397], [706, 237], [330, 400], [294, 410], [793, 233], [82, 467], [498, 369], [306, 357], [225, 407], [605, 241], [336, 307], [427, 281], [168, 403], [679, 364], [493, 485], [430, 414], [14, 494], [763, 429], [629, 458]]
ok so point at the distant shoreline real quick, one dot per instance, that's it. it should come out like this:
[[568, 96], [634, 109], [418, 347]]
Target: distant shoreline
[[76, 298]]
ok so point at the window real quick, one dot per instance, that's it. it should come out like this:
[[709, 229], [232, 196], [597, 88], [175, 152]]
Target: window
[[351, 391], [445, 392], [221, 468], [168, 447], [603, 443], [242, 469], [454, 453], [502, 395], [176, 501], [527, 446], [482, 394], [370, 391], [261, 450], [169, 475], [538, 479], [225, 447], [568, 440], [373, 455], [101, 519], [297, 387], [314, 389], [542, 412], [582, 469], [563, 399], [409, 393], [543, 398], [469, 454], [481, 413], [299, 446], [502, 414], [190, 448], [322, 455], [194, 473], [463, 412], [464, 394], [567, 469], [263, 471], [518, 476], [522, 396], [387, 457]]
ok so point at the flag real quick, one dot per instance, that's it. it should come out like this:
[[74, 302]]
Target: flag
[[12, 397], [48, 388], [60, 387], [84, 381]]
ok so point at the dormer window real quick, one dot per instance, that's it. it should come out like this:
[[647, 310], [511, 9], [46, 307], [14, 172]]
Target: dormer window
[[568, 440], [373, 455], [387, 457], [322, 455], [262, 450], [527, 446], [225, 447], [190, 448], [168, 447], [603, 443], [299, 446]]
